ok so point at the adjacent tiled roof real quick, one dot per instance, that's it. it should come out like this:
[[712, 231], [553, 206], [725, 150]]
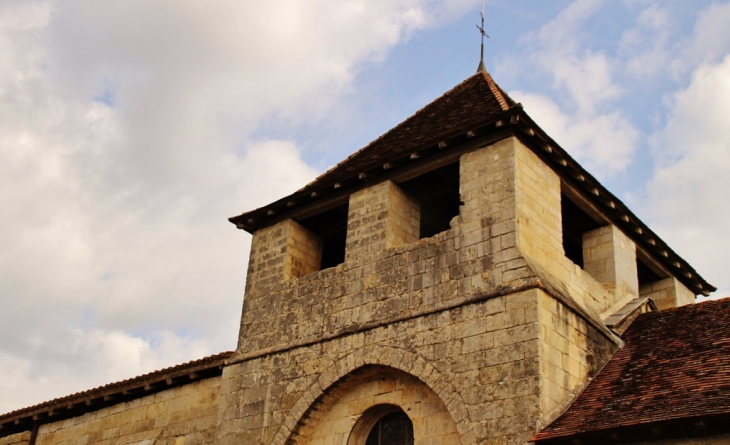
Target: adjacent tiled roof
[[675, 365], [113, 393]]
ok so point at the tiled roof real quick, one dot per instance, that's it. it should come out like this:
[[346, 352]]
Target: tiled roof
[[473, 103], [675, 366], [113, 393], [475, 110]]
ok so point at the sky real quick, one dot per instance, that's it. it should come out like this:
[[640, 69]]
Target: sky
[[130, 130]]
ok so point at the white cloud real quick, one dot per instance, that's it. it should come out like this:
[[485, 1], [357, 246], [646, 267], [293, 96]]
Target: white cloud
[[587, 110], [602, 143], [580, 113], [127, 137], [645, 46], [688, 195], [581, 74], [709, 42], [85, 359]]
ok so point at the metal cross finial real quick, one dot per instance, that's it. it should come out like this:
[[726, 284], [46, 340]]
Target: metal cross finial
[[481, 67]]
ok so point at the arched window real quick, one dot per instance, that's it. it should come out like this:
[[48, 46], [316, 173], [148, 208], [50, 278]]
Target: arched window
[[383, 424], [392, 429]]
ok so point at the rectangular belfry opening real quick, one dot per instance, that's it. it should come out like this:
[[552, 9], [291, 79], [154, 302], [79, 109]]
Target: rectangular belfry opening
[[438, 193], [648, 274], [331, 227], [576, 222]]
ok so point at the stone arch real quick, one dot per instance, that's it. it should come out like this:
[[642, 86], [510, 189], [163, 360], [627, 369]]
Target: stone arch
[[378, 355]]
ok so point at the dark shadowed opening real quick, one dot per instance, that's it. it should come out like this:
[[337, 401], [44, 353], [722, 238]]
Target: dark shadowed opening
[[331, 226], [392, 429], [438, 193], [648, 274], [575, 222]]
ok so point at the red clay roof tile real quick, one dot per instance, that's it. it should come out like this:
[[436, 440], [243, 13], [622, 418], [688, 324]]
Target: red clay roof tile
[[473, 103], [675, 365]]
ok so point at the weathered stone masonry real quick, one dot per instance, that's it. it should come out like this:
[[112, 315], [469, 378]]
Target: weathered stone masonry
[[489, 315], [481, 334], [185, 415], [484, 278]]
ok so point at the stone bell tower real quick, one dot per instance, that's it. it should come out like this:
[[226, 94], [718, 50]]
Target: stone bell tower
[[457, 281]]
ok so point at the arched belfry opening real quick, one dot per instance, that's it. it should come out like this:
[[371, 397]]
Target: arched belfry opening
[[376, 405]]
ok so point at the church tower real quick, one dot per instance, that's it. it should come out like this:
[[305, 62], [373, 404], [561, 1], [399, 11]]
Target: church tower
[[459, 280]]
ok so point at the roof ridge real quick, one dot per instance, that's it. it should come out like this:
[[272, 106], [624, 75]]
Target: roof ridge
[[497, 91]]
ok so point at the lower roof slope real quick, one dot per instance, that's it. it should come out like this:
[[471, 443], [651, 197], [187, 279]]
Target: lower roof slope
[[674, 367], [82, 402]]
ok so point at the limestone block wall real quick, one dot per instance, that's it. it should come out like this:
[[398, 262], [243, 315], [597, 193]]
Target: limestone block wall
[[280, 253], [668, 293], [303, 251], [609, 256], [22, 438], [485, 314], [539, 234], [571, 351], [481, 360], [537, 206], [184, 415], [347, 412], [479, 256], [380, 217]]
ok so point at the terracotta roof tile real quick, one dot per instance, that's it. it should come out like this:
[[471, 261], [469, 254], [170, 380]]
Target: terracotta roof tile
[[675, 365], [473, 103], [476, 105]]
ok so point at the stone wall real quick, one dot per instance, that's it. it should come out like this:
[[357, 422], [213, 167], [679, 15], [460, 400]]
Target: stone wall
[[539, 230], [380, 217], [22, 438], [571, 351], [489, 315], [479, 256], [481, 360], [609, 256], [668, 293], [348, 411], [184, 415]]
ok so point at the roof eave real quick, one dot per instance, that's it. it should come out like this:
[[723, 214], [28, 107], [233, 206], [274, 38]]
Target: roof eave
[[317, 191], [519, 122], [691, 426], [94, 399], [562, 163]]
